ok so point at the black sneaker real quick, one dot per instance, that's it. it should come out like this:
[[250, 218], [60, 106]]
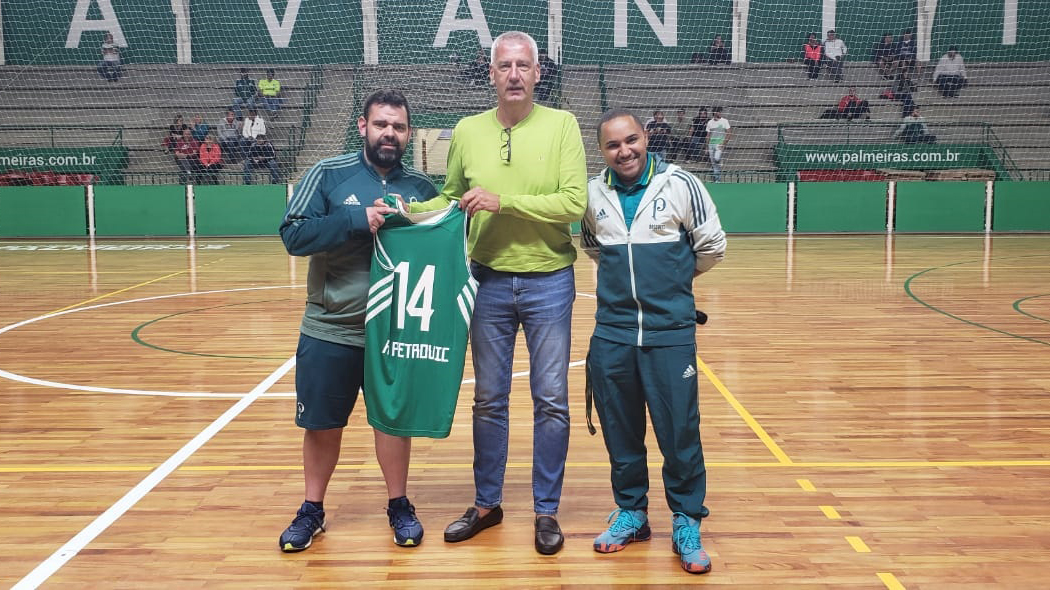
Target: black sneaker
[[408, 531], [308, 522]]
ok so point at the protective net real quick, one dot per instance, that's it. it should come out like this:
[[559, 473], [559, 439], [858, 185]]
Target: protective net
[[93, 91]]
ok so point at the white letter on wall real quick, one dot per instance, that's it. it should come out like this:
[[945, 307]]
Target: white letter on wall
[[666, 31], [80, 23], [450, 23], [280, 32]]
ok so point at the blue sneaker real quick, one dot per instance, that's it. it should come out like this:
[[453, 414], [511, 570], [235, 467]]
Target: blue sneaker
[[685, 541], [308, 523], [629, 526], [408, 531]]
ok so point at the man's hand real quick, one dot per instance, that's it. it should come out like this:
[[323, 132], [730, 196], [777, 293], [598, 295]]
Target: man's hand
[[375, 216], [479, 199]]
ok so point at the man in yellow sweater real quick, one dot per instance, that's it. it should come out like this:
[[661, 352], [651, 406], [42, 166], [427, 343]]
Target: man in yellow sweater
[[519, 171]]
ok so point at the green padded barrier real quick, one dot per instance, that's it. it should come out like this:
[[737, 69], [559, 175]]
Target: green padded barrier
[[1021, 206], [751, 208], [840, 207], [239, 210], [940, 207], [42, 211], [158, 210]]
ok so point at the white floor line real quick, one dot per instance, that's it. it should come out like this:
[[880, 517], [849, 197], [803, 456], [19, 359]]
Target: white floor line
[[66, 552]]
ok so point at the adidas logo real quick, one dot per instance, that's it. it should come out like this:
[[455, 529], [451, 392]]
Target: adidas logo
[[689, 372], [601, 215], [352, 200]]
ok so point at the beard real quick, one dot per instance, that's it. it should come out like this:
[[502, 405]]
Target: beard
[[385, 158]]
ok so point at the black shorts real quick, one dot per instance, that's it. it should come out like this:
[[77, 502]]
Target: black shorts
[[328, 377]]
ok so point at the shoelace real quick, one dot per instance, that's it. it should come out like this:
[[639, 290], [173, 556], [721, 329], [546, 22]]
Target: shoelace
[[686, 537], [307, 521], [624, 522], [403, 516]]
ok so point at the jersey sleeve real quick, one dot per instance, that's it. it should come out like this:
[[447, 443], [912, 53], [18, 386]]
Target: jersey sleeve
[[701, 223], [310, 227]]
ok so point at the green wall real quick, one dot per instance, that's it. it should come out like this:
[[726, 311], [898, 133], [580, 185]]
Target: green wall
[[140, 210], [940, 207], [751, 208], [33, 211], [840, 207], [330, 31], [160, 210], [1021, 206], [239, 210]]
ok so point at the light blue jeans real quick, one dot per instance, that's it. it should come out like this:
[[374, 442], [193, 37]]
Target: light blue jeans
[[541, 303]]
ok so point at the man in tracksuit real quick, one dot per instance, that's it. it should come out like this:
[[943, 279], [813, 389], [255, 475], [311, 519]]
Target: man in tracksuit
[[652, 227]]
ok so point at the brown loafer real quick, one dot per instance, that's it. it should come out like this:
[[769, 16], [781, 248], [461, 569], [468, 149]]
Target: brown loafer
[[471, 524], [549, 539]]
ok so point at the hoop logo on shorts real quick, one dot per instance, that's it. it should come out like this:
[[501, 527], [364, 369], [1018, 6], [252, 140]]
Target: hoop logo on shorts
[[299, 409]]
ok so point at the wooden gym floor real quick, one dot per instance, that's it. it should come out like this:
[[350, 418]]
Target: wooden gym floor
[[875, 414]]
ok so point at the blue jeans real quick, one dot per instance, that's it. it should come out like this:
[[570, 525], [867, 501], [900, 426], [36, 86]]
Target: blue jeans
[[238, 102], [541, 303]]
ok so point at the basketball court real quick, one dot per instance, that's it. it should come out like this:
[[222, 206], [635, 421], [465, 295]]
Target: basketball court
[[873, 408]]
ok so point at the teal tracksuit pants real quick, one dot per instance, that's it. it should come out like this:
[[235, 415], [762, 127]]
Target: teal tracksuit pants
[[626, 379]]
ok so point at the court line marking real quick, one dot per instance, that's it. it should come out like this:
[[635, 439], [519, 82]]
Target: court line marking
[[745, 415], [890, 581], [71, 548], [806, 485], [830, 512], [96, 468], [858, 544]]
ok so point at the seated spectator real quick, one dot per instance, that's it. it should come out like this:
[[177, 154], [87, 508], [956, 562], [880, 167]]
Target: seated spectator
[[950, 73], [812, 56], [477, 72], [187, 152], [262, 155], [270, 93], [698, 137], [251, 128], [659, 133], [850, 107], [696, 58], [549, 71], [718, 53], [174, 133], [913, 129], [244, 93], [200, 128], [680, 132], [109, 68], [834, 56], [230, 136], [884, 56], [903, 88], [210, 157], [906, 52]]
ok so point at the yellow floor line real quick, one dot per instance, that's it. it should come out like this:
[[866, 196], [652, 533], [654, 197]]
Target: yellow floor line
[[742, 411], [858, 545], [806, 485], [890, 581], [803, 483], [830, 512]]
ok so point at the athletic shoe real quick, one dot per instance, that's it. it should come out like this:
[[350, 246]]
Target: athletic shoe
[[629, 526], [685, 541], [408, 531], [308, 522]]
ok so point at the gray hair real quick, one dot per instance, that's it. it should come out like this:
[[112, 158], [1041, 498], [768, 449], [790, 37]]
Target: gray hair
[[515, 36]]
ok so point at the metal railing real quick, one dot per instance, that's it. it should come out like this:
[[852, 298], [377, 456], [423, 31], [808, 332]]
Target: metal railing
[[63, 135]]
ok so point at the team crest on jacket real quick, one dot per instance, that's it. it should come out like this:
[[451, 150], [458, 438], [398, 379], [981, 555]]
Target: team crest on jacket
[[352, 200]]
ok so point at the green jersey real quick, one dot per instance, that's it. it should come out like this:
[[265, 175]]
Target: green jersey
[[419, 307]]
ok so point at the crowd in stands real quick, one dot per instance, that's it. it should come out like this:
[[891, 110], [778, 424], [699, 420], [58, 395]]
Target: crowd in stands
[[201, 151], [701, 139]]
